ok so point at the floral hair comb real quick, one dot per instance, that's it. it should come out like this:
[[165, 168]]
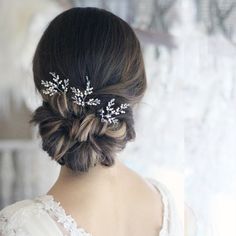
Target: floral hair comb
[[108, 114]]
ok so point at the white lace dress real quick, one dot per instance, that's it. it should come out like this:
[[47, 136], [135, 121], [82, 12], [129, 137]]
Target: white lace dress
[[43, 216]]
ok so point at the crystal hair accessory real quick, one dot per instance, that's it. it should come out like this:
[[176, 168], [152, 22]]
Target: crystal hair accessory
[[57, 86], [109, 114], [79, 97]]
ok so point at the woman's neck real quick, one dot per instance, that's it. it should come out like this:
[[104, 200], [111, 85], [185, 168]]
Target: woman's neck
[[97, 177]]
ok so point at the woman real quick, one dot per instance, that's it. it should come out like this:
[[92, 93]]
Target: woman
[[89, 70]]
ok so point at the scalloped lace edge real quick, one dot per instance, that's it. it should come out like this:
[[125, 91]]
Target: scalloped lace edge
[[55, 209]]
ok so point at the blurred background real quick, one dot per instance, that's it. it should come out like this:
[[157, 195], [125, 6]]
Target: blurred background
[[186, 123]]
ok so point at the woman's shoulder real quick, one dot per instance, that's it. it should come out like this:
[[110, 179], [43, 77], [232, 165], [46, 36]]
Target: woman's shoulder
[[16, 208], [13, 216], [23, 218], [171, 224]]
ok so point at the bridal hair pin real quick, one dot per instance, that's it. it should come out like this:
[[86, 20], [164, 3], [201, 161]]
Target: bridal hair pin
[[61, 86], [79, 97], [109, 114], [56, 86]]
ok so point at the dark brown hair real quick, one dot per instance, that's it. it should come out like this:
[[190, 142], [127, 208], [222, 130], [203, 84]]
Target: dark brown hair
[[89, 42]]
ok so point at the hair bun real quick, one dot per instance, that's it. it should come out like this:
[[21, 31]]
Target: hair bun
[[89, 126], [78, 142], [92, 43]]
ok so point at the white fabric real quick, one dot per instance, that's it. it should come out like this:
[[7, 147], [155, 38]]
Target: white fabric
[[171, 221], [44, 216]]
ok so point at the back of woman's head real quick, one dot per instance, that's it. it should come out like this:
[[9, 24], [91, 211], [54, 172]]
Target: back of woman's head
[[88, 43]]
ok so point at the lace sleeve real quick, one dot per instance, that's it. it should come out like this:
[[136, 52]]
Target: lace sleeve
[[11, 222], [27, 218]]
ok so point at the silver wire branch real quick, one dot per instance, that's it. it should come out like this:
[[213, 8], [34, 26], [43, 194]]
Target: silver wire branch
[[80, 97], [56, 86], [110, 113]]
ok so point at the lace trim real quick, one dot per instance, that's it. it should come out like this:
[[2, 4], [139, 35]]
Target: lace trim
[[54, 208]]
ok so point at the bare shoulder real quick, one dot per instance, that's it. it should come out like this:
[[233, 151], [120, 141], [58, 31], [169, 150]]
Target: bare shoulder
[[148, 198]]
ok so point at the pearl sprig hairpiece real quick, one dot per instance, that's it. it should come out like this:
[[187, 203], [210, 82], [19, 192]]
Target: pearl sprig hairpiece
[[56, 86], [80, 97], [109, 114]]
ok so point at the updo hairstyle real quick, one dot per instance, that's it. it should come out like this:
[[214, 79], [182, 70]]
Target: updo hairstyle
[[89, 42]]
